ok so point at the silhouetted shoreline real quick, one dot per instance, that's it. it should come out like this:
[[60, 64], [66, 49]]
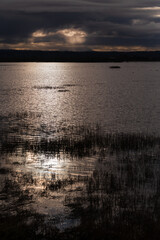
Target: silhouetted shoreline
[[56, 56]]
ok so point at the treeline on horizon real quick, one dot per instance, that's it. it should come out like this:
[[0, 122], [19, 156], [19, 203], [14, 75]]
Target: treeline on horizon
[[68, 56]]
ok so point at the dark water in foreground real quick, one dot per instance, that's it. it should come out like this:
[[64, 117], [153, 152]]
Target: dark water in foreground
[[79, 151]]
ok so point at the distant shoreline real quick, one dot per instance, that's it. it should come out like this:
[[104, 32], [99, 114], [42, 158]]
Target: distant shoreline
[[55, 56]]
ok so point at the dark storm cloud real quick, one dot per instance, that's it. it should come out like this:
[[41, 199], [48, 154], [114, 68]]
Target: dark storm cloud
[[106, 23]]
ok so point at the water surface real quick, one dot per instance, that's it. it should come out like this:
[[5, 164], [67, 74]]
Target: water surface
[[80, 149]]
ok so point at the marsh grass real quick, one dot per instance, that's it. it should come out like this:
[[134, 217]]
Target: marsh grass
[[123, 200], [119, 200], [84, 142], [4, 171], [26, 225]]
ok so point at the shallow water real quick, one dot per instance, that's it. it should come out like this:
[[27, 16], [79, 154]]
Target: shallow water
[[80, 140]]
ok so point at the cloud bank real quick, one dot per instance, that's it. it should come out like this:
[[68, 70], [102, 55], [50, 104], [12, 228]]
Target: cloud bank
[[80, 25]]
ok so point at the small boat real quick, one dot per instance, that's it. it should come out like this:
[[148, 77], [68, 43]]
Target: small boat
[[115, 67]]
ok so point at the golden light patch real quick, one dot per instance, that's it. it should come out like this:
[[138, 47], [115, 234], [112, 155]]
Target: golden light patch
[[73, 36], [155, 8], [121, 48], [39, 33]]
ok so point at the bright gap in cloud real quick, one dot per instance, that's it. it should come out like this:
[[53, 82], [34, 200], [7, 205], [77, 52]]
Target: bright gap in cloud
[[70, 35], [73, 36], [149, 8], [39, 33]]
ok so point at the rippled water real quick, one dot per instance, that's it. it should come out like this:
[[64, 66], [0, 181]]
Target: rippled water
[[125, 99], [79, 137]]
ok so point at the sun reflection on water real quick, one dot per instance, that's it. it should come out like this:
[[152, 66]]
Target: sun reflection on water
[[58, 166]]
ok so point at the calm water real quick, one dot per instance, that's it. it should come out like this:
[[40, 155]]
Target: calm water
[[125, 99], [73, 106]]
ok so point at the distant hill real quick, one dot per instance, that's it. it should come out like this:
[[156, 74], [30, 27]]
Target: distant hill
[[49, 56]]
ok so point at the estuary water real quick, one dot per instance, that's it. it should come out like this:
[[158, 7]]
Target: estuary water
[[66, 94], [79, 147]]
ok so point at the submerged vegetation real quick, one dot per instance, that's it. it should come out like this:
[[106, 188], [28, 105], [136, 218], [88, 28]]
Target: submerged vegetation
[[62, 88], [118, 199]]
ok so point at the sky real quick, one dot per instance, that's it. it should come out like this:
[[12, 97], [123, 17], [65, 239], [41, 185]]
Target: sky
[[80, 25]]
